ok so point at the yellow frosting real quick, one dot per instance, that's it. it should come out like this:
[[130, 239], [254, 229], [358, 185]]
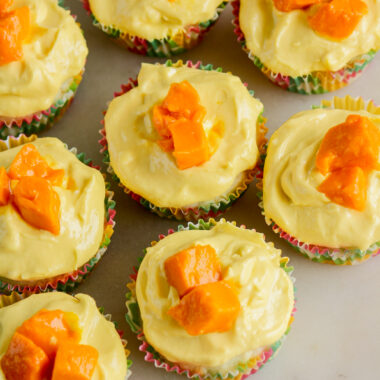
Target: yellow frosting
[[27, 253], [291, 198], [54, 53], [96, 330], [285, 42], [266, 297], [147, 170], [153, 19]]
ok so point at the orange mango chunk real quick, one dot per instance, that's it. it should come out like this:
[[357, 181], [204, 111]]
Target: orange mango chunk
[[48, 329], [75, 362], [14, 29], [28, 162], [182, 100], [5, 5], [346, 187], [4, 187], [190, 144], [193, 267], [338, 19], [208, 308], [38, 203], [353, 143], [24, 360], [290, 5]]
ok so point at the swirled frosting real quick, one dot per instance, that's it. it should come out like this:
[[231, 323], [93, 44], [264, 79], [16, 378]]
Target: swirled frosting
[[291, 198], [96, 330], [153, 19], [27, 253], [55, 52], [265, 295], [147, 170], [285, 43]]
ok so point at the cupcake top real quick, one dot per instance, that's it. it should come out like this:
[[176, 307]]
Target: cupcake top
[[222, 112], [52, 53], [322, 178], [95, 330], [153, 19], [287, 43], [240, 262], [72, 221]]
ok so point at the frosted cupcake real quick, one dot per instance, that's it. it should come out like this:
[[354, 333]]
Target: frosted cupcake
[[184, 141], [42, 58], [307, 46], [56, 336], [238, 284], [55, 213], [157, 28], [322, 180]]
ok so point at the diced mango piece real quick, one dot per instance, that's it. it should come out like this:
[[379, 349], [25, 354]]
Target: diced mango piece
[[208, 308], [50, 328], [338, 19], [353, 143], [192, 267], [38, 203], [24, 360], [182, 100], [27, 163], [290, 5], [190, 144], [5, 5], [75, 362], [14, 29], [346, 187], [4, 187], [55, 177]]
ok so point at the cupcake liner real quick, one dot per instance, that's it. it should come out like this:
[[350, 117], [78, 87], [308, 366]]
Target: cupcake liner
[[12, 298], [317, 82], [320, 254], [240, 371], [182, 41], [68, 281], [41, 120], [203, 210]]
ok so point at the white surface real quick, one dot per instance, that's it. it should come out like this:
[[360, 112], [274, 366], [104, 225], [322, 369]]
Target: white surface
[[336, 333]]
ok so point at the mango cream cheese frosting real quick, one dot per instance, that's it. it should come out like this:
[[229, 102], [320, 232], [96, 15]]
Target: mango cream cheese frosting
[[249, 266], [28, 253], [152, 19], [46, 75], [292, 194], [140, 152], [295, 47], [96, 331], [311, 47]]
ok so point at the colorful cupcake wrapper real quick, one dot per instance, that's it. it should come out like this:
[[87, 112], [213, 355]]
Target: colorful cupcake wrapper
[[317, 82], [41, 120], [14, 297], [133, 318], [202, 210], [67, 281], [320, 254], [182, 41]]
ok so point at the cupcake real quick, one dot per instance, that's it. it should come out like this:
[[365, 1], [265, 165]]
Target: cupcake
[[309, 47], [239, 286], [42, 58], [157, 28], [184, 140], [56, 336], [321, 186], [55, 213]]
